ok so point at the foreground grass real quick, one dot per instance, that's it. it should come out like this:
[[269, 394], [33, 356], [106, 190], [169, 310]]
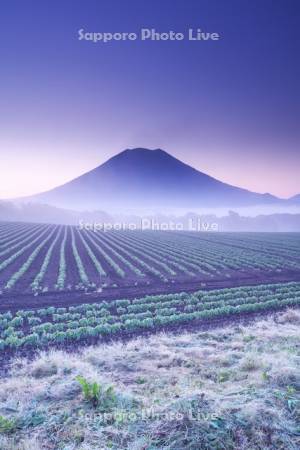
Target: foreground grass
[[232, 388]]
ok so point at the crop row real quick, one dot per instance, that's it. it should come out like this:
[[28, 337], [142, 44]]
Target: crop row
[[61, 325], [42, 258]]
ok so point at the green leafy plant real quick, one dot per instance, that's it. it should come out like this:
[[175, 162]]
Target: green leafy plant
[[96, 394], [7, 425]]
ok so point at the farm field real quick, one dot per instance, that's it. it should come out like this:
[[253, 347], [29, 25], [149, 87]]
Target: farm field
[[87, 323], [43, 259], [68, 294]]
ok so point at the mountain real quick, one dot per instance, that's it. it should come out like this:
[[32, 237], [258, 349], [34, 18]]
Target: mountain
[[295, 200], [142, 178]]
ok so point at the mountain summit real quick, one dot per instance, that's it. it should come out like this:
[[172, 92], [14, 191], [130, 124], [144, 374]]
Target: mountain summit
[[141, 178]]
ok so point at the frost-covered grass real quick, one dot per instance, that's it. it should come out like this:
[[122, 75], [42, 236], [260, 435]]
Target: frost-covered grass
[[229, 388]]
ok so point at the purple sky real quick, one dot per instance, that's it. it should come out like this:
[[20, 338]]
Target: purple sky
[[229, 108]]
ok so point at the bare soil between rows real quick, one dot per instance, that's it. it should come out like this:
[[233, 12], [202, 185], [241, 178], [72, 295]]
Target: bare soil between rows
[[16, 301]]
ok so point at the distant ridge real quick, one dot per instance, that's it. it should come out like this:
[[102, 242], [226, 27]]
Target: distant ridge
[[143, 178], [295, 199], [38, 213]]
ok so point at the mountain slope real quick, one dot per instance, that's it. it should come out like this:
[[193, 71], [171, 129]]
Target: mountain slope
[[142, 178], [295, 200]]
